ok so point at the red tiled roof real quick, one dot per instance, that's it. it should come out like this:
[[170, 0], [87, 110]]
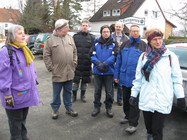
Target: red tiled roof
[[7, 14]]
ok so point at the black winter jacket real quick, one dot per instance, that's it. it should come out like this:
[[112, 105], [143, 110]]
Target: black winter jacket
[[83, 42]]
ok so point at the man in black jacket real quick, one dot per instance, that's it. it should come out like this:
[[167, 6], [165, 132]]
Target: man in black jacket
[[83, 41]]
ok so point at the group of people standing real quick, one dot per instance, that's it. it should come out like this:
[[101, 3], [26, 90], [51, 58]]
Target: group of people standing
[[147, 75]]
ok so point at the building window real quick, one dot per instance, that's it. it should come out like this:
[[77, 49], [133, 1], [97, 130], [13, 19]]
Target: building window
[[10, 19], [106, 13], [146, 12], [155, 14], [116, 12], [6, 25]]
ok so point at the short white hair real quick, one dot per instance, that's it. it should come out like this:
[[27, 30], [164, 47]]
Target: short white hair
[[119, 22]]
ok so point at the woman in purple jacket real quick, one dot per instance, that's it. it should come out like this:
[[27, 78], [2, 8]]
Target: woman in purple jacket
[[18, 82]]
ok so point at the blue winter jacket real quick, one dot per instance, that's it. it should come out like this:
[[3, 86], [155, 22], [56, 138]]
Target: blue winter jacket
[[127, 60], [104, 52]]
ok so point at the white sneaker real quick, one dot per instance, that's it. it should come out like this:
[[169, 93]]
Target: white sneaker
[[131, 129]]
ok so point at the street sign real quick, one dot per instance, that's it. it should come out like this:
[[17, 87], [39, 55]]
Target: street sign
[[133, 20]]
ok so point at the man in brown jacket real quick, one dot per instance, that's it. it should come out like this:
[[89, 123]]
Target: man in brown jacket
[[60, 58]]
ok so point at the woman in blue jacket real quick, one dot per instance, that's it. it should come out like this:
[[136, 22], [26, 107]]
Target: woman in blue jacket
[[158, 76], [103, 55]]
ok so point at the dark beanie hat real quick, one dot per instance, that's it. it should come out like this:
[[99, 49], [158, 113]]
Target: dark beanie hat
[[105, 26]]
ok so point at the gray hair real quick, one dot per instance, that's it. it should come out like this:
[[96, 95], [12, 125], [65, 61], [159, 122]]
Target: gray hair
[[119, 22], [12, 32], [85, 21]]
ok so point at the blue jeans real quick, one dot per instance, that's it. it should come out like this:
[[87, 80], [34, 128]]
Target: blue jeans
[[119, 92], [67, 88], [17, 121], [107, 81]]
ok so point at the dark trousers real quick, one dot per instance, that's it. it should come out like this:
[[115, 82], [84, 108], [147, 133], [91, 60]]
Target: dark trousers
[[107, 81], [17, 121], [132, 113], [154, 123]]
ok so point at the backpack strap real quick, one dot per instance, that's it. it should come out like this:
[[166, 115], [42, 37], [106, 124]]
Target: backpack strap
[[170, 60], [10, 51], [143, 56]]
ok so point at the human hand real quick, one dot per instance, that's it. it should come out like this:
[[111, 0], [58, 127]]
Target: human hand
[[9, 100], [116, 80], [133, 101]]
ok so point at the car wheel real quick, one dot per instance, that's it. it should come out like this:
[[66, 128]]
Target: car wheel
[[32, 50]]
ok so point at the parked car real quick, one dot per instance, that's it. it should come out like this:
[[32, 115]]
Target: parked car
[[180, 50], [39, 43], [30, 39]]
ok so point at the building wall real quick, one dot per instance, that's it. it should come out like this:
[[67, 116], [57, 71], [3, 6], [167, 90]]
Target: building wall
[[4, 26], [95, 26], [168, 30], [150, 20]]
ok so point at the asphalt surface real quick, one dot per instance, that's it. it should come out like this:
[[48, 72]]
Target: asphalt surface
[[40, 126]]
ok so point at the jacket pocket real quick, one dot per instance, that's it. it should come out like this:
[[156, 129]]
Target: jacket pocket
[[21, 97]]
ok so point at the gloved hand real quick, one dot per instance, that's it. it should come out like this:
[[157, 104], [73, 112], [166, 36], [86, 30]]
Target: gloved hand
[[97, 63], [133, 101], [181, 104], [102, 67], [9, 100]]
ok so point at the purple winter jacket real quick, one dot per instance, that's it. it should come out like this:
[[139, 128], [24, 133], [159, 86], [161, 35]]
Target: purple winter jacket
[[18, 80]]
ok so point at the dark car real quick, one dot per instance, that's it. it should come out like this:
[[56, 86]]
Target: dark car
[[180, 50], [39, 43], [30, 39]]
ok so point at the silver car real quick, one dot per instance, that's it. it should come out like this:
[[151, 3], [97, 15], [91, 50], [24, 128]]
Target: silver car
[[180, 50]]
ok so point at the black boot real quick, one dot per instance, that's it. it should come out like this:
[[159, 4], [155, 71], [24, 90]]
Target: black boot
[[83, 98], [74, 96]]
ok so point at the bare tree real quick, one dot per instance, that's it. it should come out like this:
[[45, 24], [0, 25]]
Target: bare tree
[[181, 14]]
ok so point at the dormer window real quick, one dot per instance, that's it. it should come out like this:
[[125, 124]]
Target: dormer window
[[106, 13], [116, 12]]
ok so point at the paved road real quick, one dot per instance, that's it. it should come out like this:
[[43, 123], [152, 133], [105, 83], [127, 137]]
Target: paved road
[[41, 127]]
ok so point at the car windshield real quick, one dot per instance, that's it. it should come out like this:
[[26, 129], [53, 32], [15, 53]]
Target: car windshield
[[181, 54], [39, 38]]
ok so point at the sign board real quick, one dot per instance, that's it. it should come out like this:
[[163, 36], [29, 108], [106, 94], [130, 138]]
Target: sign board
[[133, 20]]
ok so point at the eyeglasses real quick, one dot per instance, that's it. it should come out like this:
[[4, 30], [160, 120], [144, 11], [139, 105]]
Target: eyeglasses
[[135, 31], [104, 32], [156, 39]]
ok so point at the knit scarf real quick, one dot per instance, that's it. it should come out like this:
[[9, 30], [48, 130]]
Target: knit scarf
[[153, 57], [28, 55]]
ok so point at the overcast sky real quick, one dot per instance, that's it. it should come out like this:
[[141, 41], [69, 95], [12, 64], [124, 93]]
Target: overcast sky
[[165, 5]]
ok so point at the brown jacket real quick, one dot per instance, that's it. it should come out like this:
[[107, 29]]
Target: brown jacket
[[60, 57]]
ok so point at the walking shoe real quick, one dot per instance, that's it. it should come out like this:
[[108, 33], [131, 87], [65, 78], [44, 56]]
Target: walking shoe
[[131, 129], [109, 113], [55, 114], [124, 121], [119, 103], [95, 112], [71, 113]]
